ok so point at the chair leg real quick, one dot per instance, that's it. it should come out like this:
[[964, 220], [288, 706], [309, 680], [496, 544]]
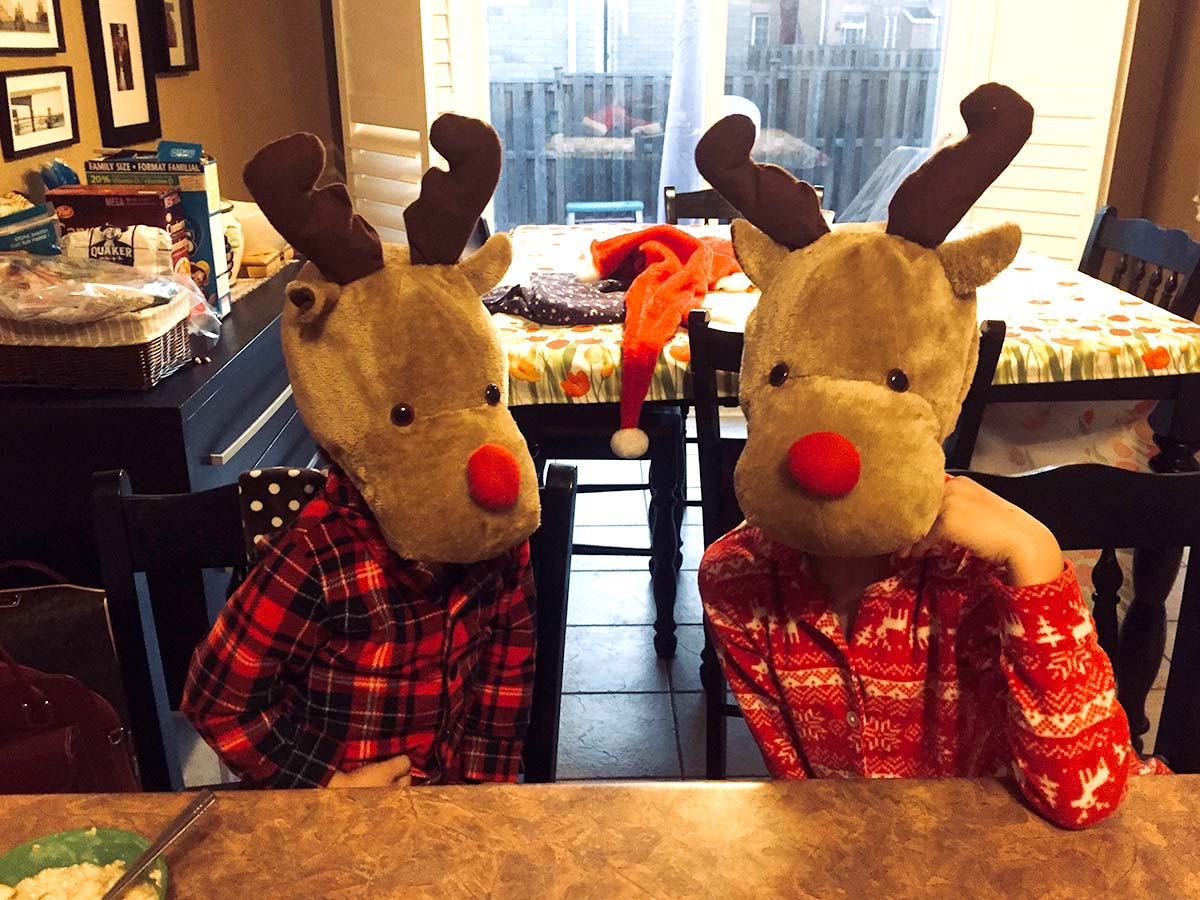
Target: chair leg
[[714, 712], [1143, 635], [666, 458]]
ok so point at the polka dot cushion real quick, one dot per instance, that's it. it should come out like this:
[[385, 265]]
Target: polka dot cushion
[[272, 498]]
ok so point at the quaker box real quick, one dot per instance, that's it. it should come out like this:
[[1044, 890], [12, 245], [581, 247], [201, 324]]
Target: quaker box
[[185, 167], [104, 222]]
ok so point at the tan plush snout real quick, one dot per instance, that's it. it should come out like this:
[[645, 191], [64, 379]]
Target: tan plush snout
[[818, 474]]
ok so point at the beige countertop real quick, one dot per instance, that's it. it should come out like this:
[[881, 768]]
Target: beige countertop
[[870, 839]]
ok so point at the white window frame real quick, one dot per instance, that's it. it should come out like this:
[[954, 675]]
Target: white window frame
[[891, 25], [755, 20], [854, 23]]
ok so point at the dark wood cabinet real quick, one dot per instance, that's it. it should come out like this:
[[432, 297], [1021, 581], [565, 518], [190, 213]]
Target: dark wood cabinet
[[196, 429]]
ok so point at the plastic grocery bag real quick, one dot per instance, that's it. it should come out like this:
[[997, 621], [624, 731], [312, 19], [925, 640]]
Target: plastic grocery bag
[[68, 291]]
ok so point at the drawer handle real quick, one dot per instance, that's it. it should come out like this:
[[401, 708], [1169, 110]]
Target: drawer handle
[[220, 459]]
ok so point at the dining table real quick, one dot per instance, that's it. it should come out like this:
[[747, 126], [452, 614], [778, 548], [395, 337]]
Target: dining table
[[831, 838], [1083, 366]]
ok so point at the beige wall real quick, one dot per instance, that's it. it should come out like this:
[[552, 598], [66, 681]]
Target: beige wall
[[1156, 164], [1174, 163], [262, 76]]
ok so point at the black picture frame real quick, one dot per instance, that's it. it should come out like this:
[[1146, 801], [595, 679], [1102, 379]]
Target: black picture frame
[[113, 82], [15, 145], [56, 41], [173, 24]]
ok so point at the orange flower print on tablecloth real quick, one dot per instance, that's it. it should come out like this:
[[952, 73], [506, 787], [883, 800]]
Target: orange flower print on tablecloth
[[525, 366], [1157, 358], [1120, 332], [557, 344], [576, 384], [681, 352], [601, 360]]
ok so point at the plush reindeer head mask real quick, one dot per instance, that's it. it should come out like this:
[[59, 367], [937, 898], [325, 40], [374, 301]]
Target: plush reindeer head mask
[[395, 364], [864, 342]]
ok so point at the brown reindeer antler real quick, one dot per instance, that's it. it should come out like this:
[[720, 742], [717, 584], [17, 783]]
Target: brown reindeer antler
[[933, 199], [785, 208], [440, 221], [321, 224]]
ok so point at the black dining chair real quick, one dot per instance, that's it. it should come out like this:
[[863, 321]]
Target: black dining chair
[[1159, 265], [716, 359], [705, 204], [163, 535]]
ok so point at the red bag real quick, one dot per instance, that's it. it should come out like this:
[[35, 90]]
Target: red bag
[[56, 736]]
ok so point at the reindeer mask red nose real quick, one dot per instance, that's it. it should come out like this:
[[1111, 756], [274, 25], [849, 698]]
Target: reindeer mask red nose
[[493, 477], [825, 464]]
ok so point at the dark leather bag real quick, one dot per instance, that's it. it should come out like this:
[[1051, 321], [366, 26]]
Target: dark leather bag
[[56, 736]]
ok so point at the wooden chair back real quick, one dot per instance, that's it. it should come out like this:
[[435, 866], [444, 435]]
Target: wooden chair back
[[167, 534], [706, 204], [1096, 507], [1159, 265]]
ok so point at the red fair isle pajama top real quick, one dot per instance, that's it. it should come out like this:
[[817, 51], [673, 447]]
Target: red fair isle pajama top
[[946, 672], [336, 652]]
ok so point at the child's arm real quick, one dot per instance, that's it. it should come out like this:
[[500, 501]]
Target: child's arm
[[235, 690], [1069, 736], [498, 711], [730, 594]]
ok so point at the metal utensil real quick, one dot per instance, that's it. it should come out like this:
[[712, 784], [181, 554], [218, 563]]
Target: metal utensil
[[165, 839]]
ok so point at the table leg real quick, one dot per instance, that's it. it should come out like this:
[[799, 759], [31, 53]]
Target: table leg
[[1143, 638], [666, 460], [715, 734], [1143, 635]]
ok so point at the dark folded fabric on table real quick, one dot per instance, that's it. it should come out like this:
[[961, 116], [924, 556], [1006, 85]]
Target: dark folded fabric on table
[[560, 298]]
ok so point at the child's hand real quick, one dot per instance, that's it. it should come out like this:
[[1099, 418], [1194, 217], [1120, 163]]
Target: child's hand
[[991, 528], [395, 772]]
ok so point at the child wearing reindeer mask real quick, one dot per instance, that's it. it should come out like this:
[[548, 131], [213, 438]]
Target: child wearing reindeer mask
[[873, 617], [387, 637]]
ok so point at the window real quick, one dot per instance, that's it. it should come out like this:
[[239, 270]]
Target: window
[[890, 22], [759, 29], [854, 28], [832, 116], [579, 91]]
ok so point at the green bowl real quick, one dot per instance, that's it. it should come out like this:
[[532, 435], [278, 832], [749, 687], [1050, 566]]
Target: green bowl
[[100, 846]]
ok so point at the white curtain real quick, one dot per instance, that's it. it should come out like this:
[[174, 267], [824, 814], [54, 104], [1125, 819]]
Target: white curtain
[[685, 108]]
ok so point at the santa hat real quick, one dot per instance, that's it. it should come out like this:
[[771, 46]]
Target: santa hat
[[673, 271]]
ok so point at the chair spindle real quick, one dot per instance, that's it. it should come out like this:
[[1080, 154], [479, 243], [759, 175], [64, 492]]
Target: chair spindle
[[1107, 579], [1135, 282], [1153, 285]]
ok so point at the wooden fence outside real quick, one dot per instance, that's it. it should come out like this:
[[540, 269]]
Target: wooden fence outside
[[850, 105]]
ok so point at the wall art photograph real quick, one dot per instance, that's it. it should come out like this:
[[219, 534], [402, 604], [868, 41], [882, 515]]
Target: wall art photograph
[[126, 98], [31, 26], [41, 111], [175, 26]]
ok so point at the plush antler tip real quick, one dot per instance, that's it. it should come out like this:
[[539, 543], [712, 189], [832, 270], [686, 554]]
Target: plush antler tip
[[300, 155]]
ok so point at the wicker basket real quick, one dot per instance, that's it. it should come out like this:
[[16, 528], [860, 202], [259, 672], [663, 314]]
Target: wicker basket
[[136, 367]]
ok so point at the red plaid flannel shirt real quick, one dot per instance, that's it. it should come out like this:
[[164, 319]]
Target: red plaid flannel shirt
[[335, 653], [946, 672]]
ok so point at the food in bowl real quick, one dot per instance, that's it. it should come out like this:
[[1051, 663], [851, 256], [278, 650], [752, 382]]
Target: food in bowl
[[84, 881]]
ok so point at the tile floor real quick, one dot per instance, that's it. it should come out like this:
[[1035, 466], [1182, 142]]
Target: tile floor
[[625, 713]]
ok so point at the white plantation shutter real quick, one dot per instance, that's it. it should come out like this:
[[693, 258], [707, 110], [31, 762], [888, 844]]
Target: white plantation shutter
[[401, 64], [1067, 58]]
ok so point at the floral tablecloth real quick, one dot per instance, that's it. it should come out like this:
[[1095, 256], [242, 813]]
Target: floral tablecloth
[[1062, 326]]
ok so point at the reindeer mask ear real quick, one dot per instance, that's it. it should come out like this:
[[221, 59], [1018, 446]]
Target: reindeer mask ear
[[975, 260]]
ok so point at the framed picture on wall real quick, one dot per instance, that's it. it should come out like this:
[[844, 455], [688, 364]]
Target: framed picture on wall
[[122, 70], [31, 26], [41, 111], [173, 23]]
